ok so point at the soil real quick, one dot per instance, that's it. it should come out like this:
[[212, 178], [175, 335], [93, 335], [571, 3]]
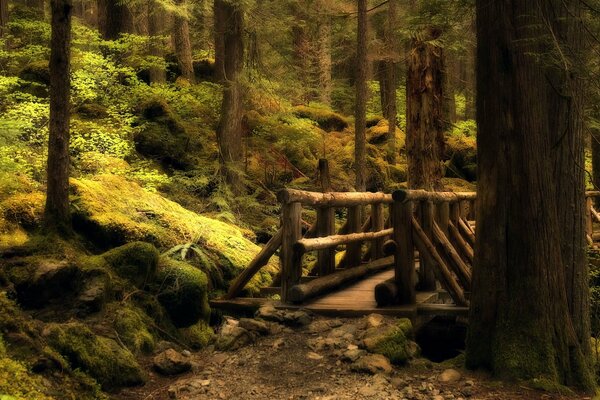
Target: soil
[[293, 364]]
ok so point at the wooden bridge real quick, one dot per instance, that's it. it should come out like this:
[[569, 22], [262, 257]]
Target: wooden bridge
[[408, 253]]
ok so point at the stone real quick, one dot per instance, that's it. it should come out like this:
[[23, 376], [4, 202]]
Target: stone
[[449, 375], [390, 340], [372, 364], [49, 280], [269, 313], [234, 338], [254, 325], [171, 362], [352, 355], [297, 318], [374, 320], [314, 356], [368, 391]]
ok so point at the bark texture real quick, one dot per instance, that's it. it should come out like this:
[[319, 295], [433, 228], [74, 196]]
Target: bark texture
[[156, 26], [425, 113], [56, 213], [183, 46], [114, 18], [3, 16], [229, 132], [520, 324], [360, 113]]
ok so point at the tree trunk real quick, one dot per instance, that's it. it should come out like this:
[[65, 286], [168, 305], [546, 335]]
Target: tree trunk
[[449, 89], [220, 24], [114, 18], [566, 114], [56, 213], [595, 133], [360, 114], [3, 16], [324, 59], [520, 325], [156, 23], [183, 46], [391, 79], [301, 51], [229, 132], [424, 114]]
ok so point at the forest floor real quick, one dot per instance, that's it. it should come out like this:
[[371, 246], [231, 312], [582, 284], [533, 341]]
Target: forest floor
[[312, 362]]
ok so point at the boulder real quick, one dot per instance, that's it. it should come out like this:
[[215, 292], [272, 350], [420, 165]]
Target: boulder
[[233, 339], [390, 340], [449, 375], [137, 262], [254, 325], [171, 362], [372, 364]]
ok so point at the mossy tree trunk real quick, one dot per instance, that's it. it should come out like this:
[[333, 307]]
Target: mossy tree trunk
[[229, 132], [181, 39], [56, 213], [520, 324], [360, 113], [595, 139], [156, 26], [425, 113]]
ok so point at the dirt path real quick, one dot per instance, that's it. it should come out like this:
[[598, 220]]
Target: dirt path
[[310, 363]]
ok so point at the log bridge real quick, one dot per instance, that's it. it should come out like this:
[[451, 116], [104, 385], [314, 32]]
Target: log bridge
[[409, 254]]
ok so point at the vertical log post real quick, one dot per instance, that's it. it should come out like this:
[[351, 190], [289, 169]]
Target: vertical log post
[[404, 260], [443, 216], [589, 223], [377, 224], [354, 250], [426, 274], [291, 261], [325, 227]]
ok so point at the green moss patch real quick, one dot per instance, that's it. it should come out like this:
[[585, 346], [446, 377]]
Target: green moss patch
[[198, 335], [136, 262], [325, 118], [390, 341], [132, 326], [183, 291], [100, 357]]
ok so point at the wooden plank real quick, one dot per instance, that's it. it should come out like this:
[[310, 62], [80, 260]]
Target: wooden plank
[[426, 274], [291, 261], [325, 227], [377, 224], [354, 248]]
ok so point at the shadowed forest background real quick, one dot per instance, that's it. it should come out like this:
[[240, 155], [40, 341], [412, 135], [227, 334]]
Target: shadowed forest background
[[187, 117]]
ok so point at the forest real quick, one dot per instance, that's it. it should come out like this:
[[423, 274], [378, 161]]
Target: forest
[[299, 199]]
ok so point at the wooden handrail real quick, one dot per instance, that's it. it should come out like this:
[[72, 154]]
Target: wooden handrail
[[305, 245], [436, 197], [332, 199]]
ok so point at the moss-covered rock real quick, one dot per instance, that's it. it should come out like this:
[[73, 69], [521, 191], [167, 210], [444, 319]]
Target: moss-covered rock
[[35, 78], [136, 262], [132, 326], [100, 357], [24, 209], [325, 118], [183, 291], [392, 341], [17, 382], [198, 335], [112, 211]]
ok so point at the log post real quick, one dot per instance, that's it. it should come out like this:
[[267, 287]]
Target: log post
[[354, 250], [291, 261], [377, 224], [426, 275], [325, 227], [404, 262], [443, 216], [589, 223]]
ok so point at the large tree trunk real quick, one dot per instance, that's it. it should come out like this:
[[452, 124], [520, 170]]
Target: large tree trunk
[[360, 113], [229, 132], [220, 24], [156, 24], [595, 139], [324, 59], [566, 113], [520, 325], [183, 46], [114, 18], [302, 52], [56, 213], [391, 79], [425, 114]]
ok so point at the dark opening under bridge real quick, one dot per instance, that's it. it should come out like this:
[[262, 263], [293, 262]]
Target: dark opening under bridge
[[408, 253]]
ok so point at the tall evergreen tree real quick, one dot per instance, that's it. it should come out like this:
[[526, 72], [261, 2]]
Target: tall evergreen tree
[[360, 113]]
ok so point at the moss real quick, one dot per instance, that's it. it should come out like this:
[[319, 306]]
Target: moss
[[391, 341], [92, 111], [549, 386], [325, 118], [36, 71], [113, 211], [100, 357], [25, 209], [197, 336], [136, 262], [131, 324], [18, 383], [183, 292]]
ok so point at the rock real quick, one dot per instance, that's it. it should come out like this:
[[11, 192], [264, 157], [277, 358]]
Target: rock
[[234, 338], [94, 294], [269, 313], [170, 362], [43, 281], [353, 355], [319, 326], [391, 340], [164, 345], [372, 364], [449, 375], [254, 325], [438, 397], [373, 320], [368, 391], [314, 356], [136, 262], [186, 353], [297, 318]]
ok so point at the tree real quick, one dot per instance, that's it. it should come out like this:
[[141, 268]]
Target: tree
[[229, 30], [425, 111], [181, 39], [114, 18], [56, 213], [323, 56], [156, 23], [390, 112], [3, 16], [360, 113], [520, 323]]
